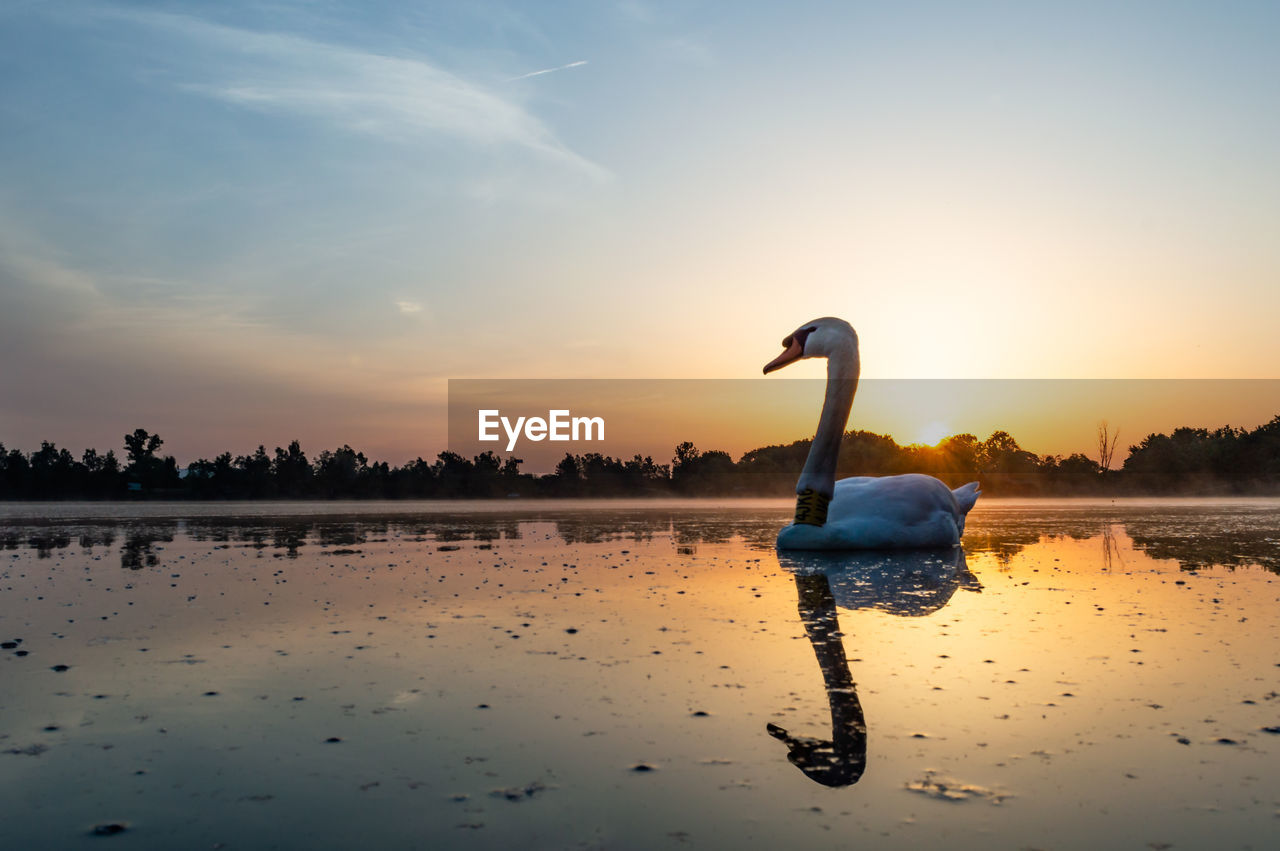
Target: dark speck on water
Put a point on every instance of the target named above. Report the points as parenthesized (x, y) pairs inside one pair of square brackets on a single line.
[(60, 668), (519, 793), (109, 829), (642, 767)]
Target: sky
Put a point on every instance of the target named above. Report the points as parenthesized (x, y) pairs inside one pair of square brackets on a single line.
[(235, 224)]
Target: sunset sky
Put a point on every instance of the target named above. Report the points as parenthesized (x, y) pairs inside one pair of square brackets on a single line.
[(235, 225)]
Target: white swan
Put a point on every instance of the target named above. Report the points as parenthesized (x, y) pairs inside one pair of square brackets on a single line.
[(861, 512)]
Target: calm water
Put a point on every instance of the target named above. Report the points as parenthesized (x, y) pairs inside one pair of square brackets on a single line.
[(635, 675)]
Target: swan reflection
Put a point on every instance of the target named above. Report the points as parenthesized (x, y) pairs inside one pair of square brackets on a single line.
[(907, 583)]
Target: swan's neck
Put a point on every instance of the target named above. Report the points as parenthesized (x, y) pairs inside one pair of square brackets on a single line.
[(818, 478)]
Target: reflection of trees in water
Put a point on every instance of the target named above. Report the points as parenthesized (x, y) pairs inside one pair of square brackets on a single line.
[(1249, 541), (1110, 548), (289, 538), (137, 550), (136, 553), (719, 529), (598, 529), (905, 583), (46, 539), (1194, 536), (347, 533), (44, 544), (687, 527), (289, 534), (97, 538), (456, 532), (1002, 545), (1008, 533)]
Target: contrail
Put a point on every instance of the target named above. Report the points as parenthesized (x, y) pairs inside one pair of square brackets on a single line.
[(547, 70)]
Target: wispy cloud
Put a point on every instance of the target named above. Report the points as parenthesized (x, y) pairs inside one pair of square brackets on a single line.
[(577, 64), (397, 98), (408, 307)]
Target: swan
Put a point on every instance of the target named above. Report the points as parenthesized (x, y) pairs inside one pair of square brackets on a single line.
[(860, 512)]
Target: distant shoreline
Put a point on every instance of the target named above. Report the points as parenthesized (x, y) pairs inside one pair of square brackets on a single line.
[(657, 501), (1190, 462)]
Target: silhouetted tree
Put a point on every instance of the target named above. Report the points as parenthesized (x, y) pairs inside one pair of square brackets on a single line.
[(256, 471), (642, 475), (1189, 459), (141, 447), (452, 472), (415, 480), (958, 459), (145, 468), (683, 466), (567, 479), (337, 471), (1106, 445), (292, 471)]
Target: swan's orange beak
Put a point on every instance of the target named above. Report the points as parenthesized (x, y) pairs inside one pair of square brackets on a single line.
[(795, 351)]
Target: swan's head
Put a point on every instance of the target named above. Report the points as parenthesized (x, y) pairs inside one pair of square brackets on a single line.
[(820, 338)]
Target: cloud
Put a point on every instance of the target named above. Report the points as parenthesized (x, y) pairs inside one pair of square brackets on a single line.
[(577, 64), (25, 259), (408, 307), (397, 98), (84, 360)]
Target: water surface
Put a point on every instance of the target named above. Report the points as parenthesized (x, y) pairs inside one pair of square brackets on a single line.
[(635, 675)]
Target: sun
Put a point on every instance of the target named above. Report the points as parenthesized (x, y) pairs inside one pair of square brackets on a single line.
[(932, 433)]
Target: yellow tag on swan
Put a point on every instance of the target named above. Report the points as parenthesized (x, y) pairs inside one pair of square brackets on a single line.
[(811, 507)]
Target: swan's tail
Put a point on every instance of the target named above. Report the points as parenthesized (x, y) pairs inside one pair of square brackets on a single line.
[(966, 496)]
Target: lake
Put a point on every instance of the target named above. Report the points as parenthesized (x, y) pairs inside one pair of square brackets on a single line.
[(1080, 674)]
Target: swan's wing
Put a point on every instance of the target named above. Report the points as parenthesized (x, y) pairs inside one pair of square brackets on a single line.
[(909, 498)]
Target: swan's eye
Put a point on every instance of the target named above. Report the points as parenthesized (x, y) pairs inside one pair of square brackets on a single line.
[(800, 337)]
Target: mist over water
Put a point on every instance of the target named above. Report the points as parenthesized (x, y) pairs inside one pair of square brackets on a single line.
[(635, 675)]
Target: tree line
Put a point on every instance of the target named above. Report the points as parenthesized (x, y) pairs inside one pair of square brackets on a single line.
[(1189, 460)]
